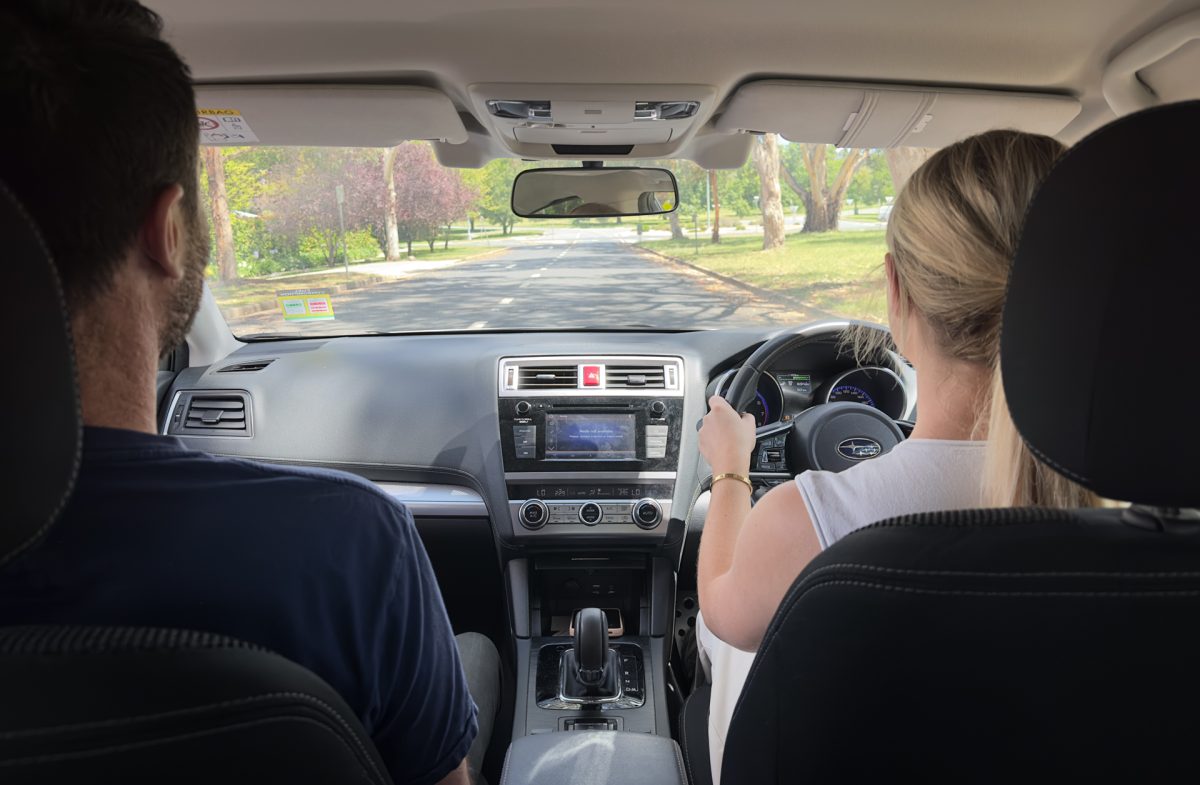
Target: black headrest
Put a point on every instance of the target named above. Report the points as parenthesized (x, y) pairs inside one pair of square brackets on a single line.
[(1099, 332), (42, 423)]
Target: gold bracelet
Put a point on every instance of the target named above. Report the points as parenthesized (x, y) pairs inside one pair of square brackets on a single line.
[(734, 476)]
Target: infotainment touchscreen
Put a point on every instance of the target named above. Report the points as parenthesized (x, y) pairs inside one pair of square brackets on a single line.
[(591, 437)]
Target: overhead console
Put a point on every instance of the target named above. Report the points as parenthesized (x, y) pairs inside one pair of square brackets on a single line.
[(880, 116), (597, 122), (590, 443)]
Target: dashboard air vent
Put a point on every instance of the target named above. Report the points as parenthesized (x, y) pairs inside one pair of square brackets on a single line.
[(642, 376), (550, 377), (211, 413), (246, 367)]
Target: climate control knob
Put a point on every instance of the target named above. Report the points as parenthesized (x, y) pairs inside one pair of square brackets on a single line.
[(591, 513), (657, 408), (647, 513), (523, 407), (534, 514)]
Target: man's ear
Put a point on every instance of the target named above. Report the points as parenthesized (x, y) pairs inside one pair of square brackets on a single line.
[(162, 236)]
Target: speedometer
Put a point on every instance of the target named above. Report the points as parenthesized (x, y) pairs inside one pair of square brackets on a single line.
[(848, 392), (760, 409)]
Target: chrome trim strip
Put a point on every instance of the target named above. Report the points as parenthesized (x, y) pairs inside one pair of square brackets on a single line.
[(593, 392), (436, 500), (589, 476)]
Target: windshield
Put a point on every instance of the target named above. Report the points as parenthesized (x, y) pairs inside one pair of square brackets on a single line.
[(345, 241)]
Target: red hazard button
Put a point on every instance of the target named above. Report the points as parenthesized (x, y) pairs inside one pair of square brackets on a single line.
[(590, 375)]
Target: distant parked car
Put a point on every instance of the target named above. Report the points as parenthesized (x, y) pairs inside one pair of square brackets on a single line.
[(885, 212)]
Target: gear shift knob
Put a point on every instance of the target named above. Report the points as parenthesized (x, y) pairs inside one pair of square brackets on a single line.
[(591, 645)]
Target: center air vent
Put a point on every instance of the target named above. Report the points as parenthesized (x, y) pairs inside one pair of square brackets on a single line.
[(210, 413), (638, 376), (592, 375), (550, 377)]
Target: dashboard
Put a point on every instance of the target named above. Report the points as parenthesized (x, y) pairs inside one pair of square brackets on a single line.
[(422, 417)]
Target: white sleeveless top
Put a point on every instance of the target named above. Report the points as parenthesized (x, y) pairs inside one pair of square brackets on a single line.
[(918, 475)]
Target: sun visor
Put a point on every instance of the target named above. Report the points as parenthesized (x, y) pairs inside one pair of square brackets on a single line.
[(880, 116), (325, 116)]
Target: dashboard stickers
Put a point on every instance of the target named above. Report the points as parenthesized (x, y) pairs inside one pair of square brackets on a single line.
[(305, 304)]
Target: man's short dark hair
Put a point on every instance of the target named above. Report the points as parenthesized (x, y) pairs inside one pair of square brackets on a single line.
[(100, 116)]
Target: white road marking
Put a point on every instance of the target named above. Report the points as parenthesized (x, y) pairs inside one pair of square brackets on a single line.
[(506, 301), (545, 268), (536, 275), (477, 326), (509, 267), (523, 285)]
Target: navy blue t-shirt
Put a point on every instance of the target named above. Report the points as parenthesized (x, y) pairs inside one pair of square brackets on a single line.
[(318, 566)]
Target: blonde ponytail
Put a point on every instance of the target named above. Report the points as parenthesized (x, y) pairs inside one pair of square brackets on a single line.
[(952, 234)]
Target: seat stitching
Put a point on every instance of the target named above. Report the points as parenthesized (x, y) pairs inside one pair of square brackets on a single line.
[(679, 764), (93, 752), (691, 777), (1000, 574), (77, 458), (117, 722)]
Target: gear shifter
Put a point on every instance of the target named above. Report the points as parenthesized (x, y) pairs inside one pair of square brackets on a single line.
[(589, 667), (591, 646)]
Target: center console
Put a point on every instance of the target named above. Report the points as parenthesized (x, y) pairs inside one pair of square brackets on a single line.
[(590, 444), (591, 450)]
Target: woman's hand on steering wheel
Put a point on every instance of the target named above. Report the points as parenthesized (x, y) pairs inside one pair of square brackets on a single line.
[(726, 438)]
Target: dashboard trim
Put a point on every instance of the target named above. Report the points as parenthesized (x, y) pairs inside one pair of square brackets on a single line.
[(675, 391), (448, 501), (535, 476)]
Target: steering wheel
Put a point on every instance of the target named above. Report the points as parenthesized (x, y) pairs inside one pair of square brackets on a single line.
[(828, 436)]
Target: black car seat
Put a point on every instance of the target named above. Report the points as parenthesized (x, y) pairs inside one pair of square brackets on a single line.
[(129, 705), (1019, 645)]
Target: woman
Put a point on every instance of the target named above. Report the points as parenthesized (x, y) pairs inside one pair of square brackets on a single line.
[(951, 236)]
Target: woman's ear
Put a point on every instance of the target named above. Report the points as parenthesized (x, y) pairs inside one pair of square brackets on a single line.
[(161, 238), (893, 285)]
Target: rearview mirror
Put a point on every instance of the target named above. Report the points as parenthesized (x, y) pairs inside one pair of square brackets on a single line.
[(594, 192)]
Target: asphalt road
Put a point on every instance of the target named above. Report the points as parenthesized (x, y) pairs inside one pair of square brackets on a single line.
[(567, 282)]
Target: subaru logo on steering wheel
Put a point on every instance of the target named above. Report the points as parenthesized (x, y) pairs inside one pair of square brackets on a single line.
[(860, 448)]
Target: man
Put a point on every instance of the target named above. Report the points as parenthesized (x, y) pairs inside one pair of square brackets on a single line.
[(100, 145)]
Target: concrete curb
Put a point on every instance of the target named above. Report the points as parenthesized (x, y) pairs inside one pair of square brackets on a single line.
[(766, 294)]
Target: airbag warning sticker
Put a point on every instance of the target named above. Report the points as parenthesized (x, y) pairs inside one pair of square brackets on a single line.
[(224, 126), (306, 304)]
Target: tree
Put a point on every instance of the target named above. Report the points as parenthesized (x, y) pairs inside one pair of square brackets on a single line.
[(676, 229), (214, 164), (903, 161), (493, 184), (766, 161), (391, 233), (822, 198), (872, 183), (716, 203), (302, 203)]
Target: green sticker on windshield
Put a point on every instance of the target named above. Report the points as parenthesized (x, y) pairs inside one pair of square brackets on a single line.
[(305, 304)]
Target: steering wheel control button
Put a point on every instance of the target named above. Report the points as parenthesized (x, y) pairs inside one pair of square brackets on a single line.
[(771, 455), (534, 514), (523, 407), (647, 513), (590, 513)]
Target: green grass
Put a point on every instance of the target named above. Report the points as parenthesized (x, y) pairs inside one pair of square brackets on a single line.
[(247, 291), (838, 272)]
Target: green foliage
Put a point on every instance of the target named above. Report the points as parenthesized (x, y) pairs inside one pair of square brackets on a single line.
[(872, 183), (493, 183), (360, 244)]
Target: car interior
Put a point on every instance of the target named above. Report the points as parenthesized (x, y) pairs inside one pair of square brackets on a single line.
[(554, 475)]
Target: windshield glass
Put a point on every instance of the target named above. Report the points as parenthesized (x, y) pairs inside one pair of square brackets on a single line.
[(344, 241)]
